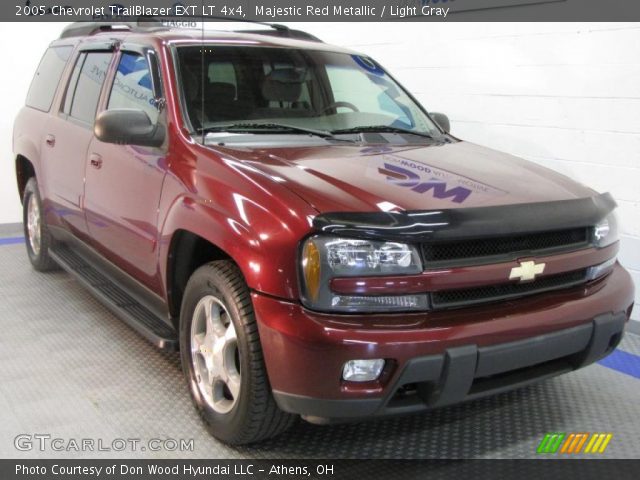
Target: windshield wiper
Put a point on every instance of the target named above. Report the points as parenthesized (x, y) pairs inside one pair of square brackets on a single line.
[(281, 127), (381, 129)]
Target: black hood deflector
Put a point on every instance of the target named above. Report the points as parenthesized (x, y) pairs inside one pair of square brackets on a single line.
[(465, 223)]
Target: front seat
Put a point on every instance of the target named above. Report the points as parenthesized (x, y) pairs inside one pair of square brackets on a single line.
[(220, 101), (281, 88)]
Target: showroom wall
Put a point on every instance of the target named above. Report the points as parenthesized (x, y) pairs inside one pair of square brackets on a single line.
[(565, 95), (21, 46)]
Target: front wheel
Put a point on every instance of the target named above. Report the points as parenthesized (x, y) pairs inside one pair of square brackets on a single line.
[(222, 357), (36, 234)]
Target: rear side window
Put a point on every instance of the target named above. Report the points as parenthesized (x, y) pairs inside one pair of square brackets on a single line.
[(83, 91), (73, 82), (45, 81)]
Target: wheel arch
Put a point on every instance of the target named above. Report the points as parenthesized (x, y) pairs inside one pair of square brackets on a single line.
[(196, 232), (188, 251), (26, 154), (25, 170)]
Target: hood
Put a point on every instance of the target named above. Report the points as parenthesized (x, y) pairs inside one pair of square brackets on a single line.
[(385, 178)]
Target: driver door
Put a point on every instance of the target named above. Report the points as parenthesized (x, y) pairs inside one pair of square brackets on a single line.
[(124, 182)]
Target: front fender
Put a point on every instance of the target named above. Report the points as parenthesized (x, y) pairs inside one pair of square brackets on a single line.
[(258, 228)]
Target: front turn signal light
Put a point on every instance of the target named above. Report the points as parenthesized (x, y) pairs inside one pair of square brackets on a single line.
[(311, 269)]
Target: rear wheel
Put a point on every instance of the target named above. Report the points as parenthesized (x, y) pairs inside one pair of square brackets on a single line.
[(36, 234), (222, 357)]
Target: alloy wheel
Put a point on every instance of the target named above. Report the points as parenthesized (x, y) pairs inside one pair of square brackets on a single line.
[(215, 355), (34, 224)]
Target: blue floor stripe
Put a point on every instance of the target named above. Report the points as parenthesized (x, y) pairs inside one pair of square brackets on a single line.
[(623, 362), (11, 241)]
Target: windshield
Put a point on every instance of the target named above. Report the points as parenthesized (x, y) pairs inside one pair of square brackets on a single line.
[(244, 87)]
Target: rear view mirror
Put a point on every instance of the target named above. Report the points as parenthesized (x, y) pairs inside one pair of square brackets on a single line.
[(128, 126), (442, 120)]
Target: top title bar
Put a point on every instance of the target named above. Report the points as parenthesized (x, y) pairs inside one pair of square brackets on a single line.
[(321, 10)]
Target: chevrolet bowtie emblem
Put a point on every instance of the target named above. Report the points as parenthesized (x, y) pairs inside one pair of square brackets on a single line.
[(527, 271)]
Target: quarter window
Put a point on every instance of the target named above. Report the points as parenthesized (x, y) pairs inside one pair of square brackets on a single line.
[(45, 81)]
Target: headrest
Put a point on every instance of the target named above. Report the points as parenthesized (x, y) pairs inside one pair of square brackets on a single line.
[(221, 90), (283, 84)]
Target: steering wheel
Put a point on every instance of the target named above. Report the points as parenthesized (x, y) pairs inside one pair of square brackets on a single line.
[(338, 105)]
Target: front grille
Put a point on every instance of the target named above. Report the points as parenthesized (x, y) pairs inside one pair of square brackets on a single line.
[(505, 248), (494, 293)]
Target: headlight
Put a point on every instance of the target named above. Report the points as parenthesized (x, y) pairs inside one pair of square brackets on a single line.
[(605, 232), (325, 258)]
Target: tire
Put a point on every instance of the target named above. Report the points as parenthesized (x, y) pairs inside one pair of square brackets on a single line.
[(222, 358), (37, 236)]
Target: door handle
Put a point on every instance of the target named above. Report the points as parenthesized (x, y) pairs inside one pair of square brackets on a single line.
[(95, 160), (50, 140)]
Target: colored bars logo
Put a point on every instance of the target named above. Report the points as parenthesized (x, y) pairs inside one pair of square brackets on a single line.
[(574, 443)]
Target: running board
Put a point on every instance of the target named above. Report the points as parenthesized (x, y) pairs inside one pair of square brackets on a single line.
[(122, 304)]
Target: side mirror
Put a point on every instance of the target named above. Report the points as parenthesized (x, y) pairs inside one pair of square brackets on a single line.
[(128, 126), (442, 120)]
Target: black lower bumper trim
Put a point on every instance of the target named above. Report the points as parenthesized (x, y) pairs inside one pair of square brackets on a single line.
[(469, 372)]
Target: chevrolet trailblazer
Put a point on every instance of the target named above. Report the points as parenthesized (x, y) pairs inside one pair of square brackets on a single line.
[(312, 240)]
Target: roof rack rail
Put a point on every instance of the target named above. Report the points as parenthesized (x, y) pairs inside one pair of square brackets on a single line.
[(279, 30), (152, 24), (284, 32), (80, 29)]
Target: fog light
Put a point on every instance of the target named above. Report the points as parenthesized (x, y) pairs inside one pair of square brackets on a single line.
[(362, 370), (380, 303)]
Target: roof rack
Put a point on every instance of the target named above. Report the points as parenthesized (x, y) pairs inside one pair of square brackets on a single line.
[(285, 32), (278, 30), (152, 24)]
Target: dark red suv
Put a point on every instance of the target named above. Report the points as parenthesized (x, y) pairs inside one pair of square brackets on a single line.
[(312, 240)]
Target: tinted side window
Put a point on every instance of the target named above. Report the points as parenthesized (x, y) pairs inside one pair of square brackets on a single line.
[(132, 86), (73, 82), (86, 91), (45, 81)]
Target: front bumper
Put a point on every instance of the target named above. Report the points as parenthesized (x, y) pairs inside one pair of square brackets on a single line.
[(439, 358)]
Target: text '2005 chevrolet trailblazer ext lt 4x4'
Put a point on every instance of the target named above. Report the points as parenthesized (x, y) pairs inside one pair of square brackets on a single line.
[(292, 220)]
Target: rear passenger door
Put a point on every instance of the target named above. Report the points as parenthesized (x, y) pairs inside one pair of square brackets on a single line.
[(124, 182), (68, 135)]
